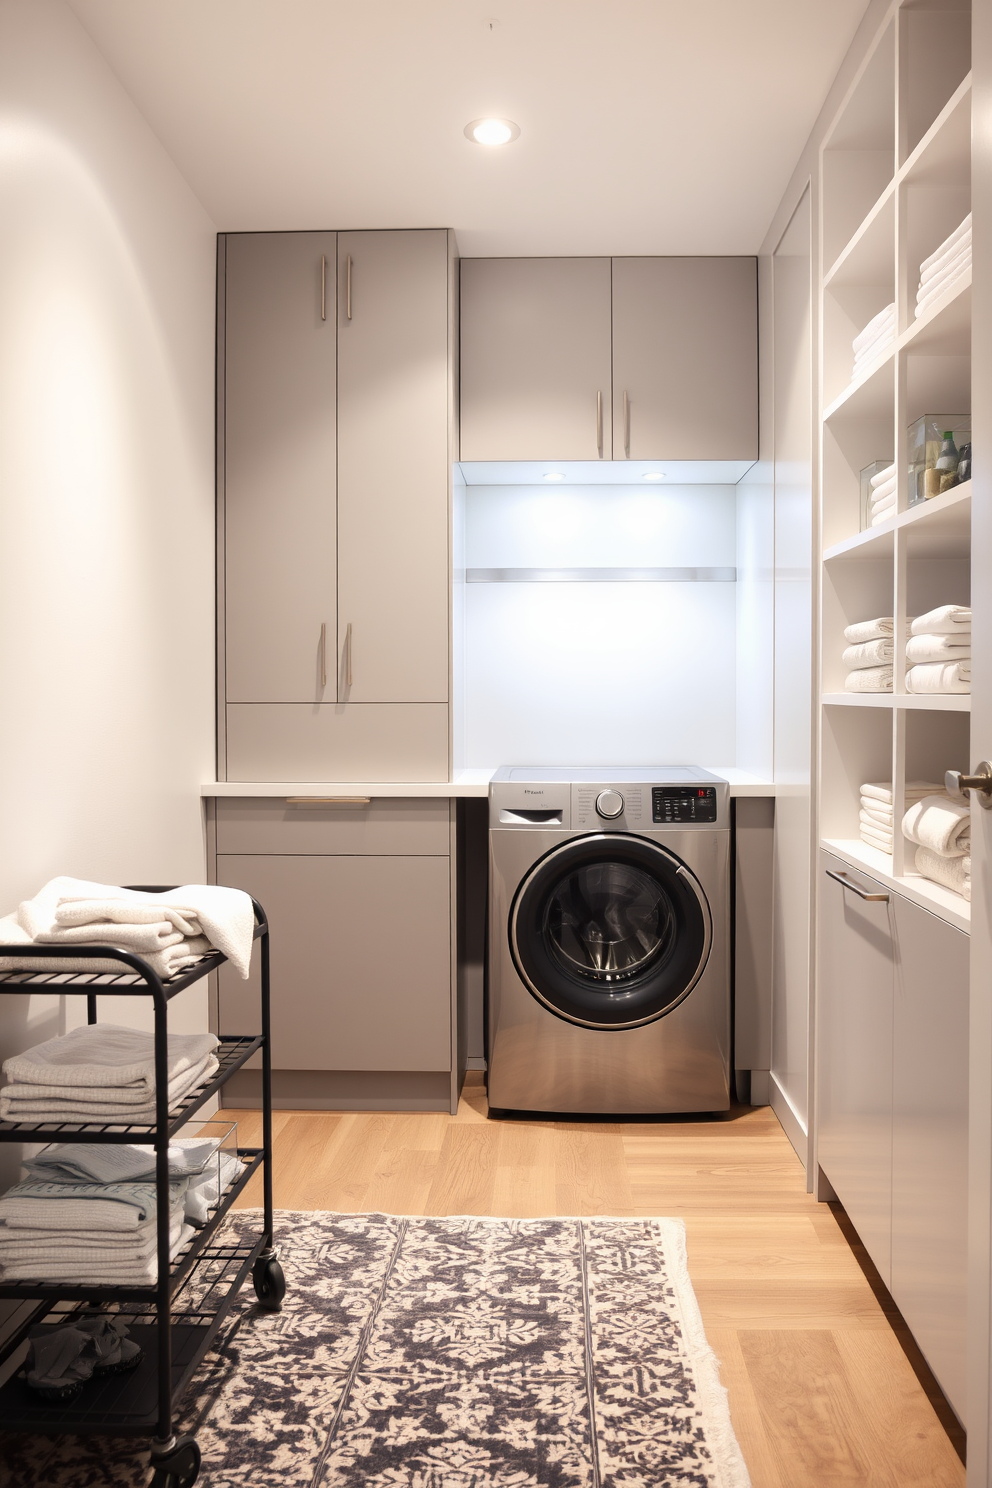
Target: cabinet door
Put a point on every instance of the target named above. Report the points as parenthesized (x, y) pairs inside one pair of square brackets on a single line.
[(854, 1055), (685, 354), (279, 466), (394, 467), (360, 961), (535, 359), (930, 1140)]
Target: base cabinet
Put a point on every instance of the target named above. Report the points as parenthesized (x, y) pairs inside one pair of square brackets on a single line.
[(892, 1080), (358, 901)]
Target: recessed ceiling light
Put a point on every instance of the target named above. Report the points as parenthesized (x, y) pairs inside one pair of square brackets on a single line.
[(491, 131), (555, 475), (653, 475)]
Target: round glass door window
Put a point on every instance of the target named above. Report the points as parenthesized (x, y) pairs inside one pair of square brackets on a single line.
[(610, 931)]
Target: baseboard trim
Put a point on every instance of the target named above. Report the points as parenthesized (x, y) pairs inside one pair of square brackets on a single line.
[(343, 1090), (789, 1119)]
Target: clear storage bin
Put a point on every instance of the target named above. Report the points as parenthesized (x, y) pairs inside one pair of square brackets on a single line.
[(939, 454)]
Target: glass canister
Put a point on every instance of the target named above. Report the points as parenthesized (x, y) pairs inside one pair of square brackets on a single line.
[(939, 454), (875, 468)]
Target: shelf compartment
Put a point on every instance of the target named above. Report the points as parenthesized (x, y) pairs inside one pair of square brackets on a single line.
[(940, 528), (859, 155), (922, 891), (234, 1051), (945, 330), (126, 1404), (868, 396), (935, 63), (869, 256), (182, 1265)]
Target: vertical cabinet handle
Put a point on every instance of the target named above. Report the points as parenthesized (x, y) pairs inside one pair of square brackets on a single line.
[(323, 286), (347, 652), (626, 424), (347, 287), (323, 654), (599, 424)]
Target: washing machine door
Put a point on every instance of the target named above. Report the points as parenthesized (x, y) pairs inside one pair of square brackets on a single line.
[(610, 931)]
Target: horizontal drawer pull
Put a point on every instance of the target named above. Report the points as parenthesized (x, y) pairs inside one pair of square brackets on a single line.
[(849, 883), (328, 800)]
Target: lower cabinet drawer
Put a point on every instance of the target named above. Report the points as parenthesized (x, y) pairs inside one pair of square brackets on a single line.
[(331, 741), (360, 961), (383, 826)]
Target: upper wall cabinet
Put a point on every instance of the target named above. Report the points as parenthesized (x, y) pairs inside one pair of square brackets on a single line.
[(685, 359), (336, 440), (629, 358), (535, 359)]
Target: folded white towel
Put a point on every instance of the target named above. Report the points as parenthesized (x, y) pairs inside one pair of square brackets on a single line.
[(945, 620), (868, 654), (223, 915), (884, 476), (45, 1106), (205, 1190), (963, 228), (951, 872), (878, 323), (941, 282), (885, 514), (876, 814), (914, 790), (945, 284), (935, 265), (120, 1207), (883, 494), (939, 647), (880, 828), (166, 964), (880, 841), (869, 679), (873, 349), (105, 1056), (869, 630), (92, 1162), (940, 676), (84, 1267), (941, 824)]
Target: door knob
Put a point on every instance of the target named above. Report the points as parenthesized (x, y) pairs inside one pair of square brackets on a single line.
[(981, 783)]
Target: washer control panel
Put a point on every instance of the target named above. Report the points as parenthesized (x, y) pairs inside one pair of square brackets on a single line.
[(683, 803), (603, 805), (609, 804)]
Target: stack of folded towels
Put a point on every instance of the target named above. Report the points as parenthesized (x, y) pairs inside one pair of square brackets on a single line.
[(941, 829), (86, 1213), (868, 656), (171, 930), (939, 651), (883, 496), (878, 810), (103, 1074), (877, 335), (941, 271)]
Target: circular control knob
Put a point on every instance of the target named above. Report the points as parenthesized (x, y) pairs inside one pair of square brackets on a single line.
[(609, 804)]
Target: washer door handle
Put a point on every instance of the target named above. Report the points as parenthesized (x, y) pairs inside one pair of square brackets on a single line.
[(704, 906)]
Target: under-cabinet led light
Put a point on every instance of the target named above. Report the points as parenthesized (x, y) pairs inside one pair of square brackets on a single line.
[(491, 131), (653, 475)]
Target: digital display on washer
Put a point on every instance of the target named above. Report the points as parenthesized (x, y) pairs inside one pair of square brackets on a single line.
[(683, 803)]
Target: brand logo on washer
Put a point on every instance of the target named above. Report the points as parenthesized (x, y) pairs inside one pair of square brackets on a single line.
[(532, 792)]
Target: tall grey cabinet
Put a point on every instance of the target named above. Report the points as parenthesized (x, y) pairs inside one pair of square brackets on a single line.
[(336, 430)]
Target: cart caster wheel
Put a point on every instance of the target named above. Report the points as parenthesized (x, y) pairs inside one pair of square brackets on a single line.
[(180, 1468), (269, 1283)]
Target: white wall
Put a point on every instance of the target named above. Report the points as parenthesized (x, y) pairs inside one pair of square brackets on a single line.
[(599, 673), (106, 487)]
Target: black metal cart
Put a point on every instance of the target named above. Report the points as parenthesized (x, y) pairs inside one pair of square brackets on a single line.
[(176, 1320)]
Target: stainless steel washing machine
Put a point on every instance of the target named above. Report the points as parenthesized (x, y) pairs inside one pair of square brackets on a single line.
[(609, 941)]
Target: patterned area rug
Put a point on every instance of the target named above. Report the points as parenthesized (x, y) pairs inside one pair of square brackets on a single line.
[(447, 1353)]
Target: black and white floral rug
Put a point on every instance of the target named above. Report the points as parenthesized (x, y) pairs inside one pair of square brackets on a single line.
[(447, 1353)]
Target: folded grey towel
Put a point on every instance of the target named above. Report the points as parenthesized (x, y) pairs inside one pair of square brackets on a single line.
[(91, 1162)]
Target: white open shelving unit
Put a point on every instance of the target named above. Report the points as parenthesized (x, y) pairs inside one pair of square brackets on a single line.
[(895, 182)]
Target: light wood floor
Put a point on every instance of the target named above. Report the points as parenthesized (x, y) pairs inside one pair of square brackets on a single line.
[(821, 1393)]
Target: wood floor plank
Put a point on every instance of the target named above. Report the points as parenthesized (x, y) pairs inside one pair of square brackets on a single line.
[(466, 1175), (525, 1184), (591, 1175), (745, 1413)]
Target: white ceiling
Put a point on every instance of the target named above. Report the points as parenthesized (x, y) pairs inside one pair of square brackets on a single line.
[(647, 126)]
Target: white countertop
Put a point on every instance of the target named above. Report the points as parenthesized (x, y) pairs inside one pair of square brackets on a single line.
[(465, 783)]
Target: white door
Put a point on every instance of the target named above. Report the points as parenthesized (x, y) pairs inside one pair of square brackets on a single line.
[(394, 467), (535, 373)]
